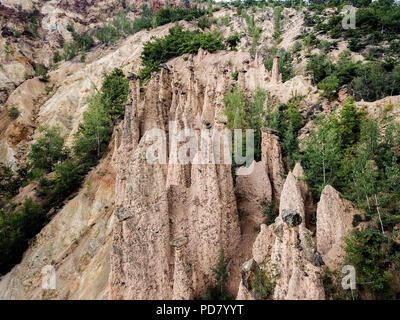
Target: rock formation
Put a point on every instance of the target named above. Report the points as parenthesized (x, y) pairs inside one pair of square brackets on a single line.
[(287, 249), (334, 221), (155, 230)]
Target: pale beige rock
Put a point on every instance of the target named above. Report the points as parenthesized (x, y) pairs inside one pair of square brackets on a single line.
[(334, 221), (272, 158), (284, 249)]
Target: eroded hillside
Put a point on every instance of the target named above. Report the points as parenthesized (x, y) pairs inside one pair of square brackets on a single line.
[(135, 230)]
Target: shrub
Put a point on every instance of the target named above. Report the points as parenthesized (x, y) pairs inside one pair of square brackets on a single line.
[(93, 135), (233, 40), (329, 86), (67, 179), (56, 57), (219, 292), (16, 229), (319, 66), (356, 220), (254, 32), (204, 22), (10, 182), (176, 43), (374, 256), (235, 109), (270, 211), (13, 113), (70, 50), (246, 114), (115, 92), (373, 82), (263, 284), (235, 75), (277, 23), (41, 72), (47, 150), (122, 26), (284, 64)]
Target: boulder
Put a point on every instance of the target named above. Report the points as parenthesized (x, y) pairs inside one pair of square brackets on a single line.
[(291, 217)]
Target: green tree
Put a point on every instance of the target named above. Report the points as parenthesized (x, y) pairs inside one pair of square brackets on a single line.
[(16, 229), (115, 92), (234, 109), (322, 157), (255, 118), (93, 135), (67, 179), (47, 150), (219, 292), (329, 85), (319, 66)]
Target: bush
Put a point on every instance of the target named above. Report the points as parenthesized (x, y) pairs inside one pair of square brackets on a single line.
[(70, 50), (94, 134), (373, 82), (41, 72), (67, 179), (277, 23), (287, 121), (284, 64), (47, 150), (235, 75), (329, 86), (320, 67), (235, 109), (219, 292), (271, 212), (374, 257), (204, 22), (121, 26), (263, 284), (13, 113), (10, 182), (16, 229), (233, 40), (175, 44), (56, 57), (254, 32), (115, 92)]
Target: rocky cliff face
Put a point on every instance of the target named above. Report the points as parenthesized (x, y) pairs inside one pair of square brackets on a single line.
[(287, 251), (155, 231), (76, 243), (183, 213)]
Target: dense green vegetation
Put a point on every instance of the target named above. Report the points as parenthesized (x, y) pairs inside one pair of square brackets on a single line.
[(286, 120), (349, 152), (369, 81), (175, 44), (48, 150), (376, 257), (284, 64), (376, 22), (81, 43), (121, 26), (16, 229), (254, 32), (243, 113), (263, 283), (18, 225)]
